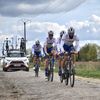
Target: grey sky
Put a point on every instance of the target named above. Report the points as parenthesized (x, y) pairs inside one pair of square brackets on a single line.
[(14, 8)]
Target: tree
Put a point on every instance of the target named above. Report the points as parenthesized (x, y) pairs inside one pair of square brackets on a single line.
[(88, 52)]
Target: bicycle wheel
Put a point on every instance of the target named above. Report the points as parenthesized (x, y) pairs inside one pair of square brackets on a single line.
[(72, 77), (66, 73), (51, 74), (36, 71), (67, 77), (61, 78), (48, 74)]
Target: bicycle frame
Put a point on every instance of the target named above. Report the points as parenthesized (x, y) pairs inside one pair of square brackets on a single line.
[(69, 70), (37, 64)]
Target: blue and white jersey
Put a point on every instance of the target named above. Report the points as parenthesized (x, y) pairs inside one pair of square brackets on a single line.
[(69, 42), (50, 42), (59, 45), (36, 48)]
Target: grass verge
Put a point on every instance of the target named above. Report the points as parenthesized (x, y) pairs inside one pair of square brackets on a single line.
[(84, 69)]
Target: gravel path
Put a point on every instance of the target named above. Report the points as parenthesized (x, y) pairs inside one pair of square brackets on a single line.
[(22, 85)]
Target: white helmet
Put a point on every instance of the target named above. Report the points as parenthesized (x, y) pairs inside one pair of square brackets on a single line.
[(71, 31), (62, 32)]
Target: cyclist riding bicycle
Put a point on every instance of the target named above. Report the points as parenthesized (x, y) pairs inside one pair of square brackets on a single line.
[(49, 49), (36, 51), (71, 43), (60, 50)]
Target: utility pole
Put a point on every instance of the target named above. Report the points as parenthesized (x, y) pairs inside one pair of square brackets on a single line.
[(12, 45), (25, 35)]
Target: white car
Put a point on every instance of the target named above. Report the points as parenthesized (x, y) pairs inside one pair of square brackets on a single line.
[(15, 60)]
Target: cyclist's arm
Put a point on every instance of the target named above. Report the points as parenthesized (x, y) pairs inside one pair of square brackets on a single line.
[(55, 44), (41, 50), (45, 48), (76, 43), (33, 49)]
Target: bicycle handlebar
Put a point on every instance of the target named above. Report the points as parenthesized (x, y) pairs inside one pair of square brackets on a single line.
[(73, 52)]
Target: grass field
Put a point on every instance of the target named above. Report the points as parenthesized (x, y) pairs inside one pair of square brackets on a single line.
[(84, 69), (88, 69)]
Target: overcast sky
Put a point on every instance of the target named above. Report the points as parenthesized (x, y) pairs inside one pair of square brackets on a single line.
[(45, 15)]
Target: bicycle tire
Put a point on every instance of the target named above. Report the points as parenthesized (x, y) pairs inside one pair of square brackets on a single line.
[(72, 76), (36, 71), (66, 73), (61, 78), (51, 71), (51, 75), (48, 74), (67, 79)]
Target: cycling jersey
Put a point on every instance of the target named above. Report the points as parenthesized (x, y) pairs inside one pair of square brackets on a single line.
[(70, 42), (59, 45), (36, 50), (50, 44)]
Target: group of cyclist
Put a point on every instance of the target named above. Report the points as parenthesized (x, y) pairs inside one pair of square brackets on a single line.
[(67, 42)]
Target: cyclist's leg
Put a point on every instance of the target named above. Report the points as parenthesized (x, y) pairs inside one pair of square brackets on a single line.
[(35, 58), (49, 51), (46, 66), (39, 58), (59, 64), (66, 49), (53, 52), (46, 62), (73, 55)]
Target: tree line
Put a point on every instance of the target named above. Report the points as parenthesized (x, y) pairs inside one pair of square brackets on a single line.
[(89, 52)]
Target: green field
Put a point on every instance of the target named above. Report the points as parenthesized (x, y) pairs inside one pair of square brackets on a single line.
[(88, 69), (84, 69)]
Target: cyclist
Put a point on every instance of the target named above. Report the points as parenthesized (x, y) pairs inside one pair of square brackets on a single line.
[(49, 48), (36, 51), (60, 51), (69, 46)]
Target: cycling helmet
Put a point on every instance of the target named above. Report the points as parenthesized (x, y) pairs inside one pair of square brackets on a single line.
[(62, 33), (37, 42), (50, 34), (22, 38), (71, 32)]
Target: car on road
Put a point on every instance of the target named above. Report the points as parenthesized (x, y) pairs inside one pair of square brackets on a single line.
[(15, 60)]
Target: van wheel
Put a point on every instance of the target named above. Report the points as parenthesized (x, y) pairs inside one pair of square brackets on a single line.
[(4, 69), (27, 69)]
